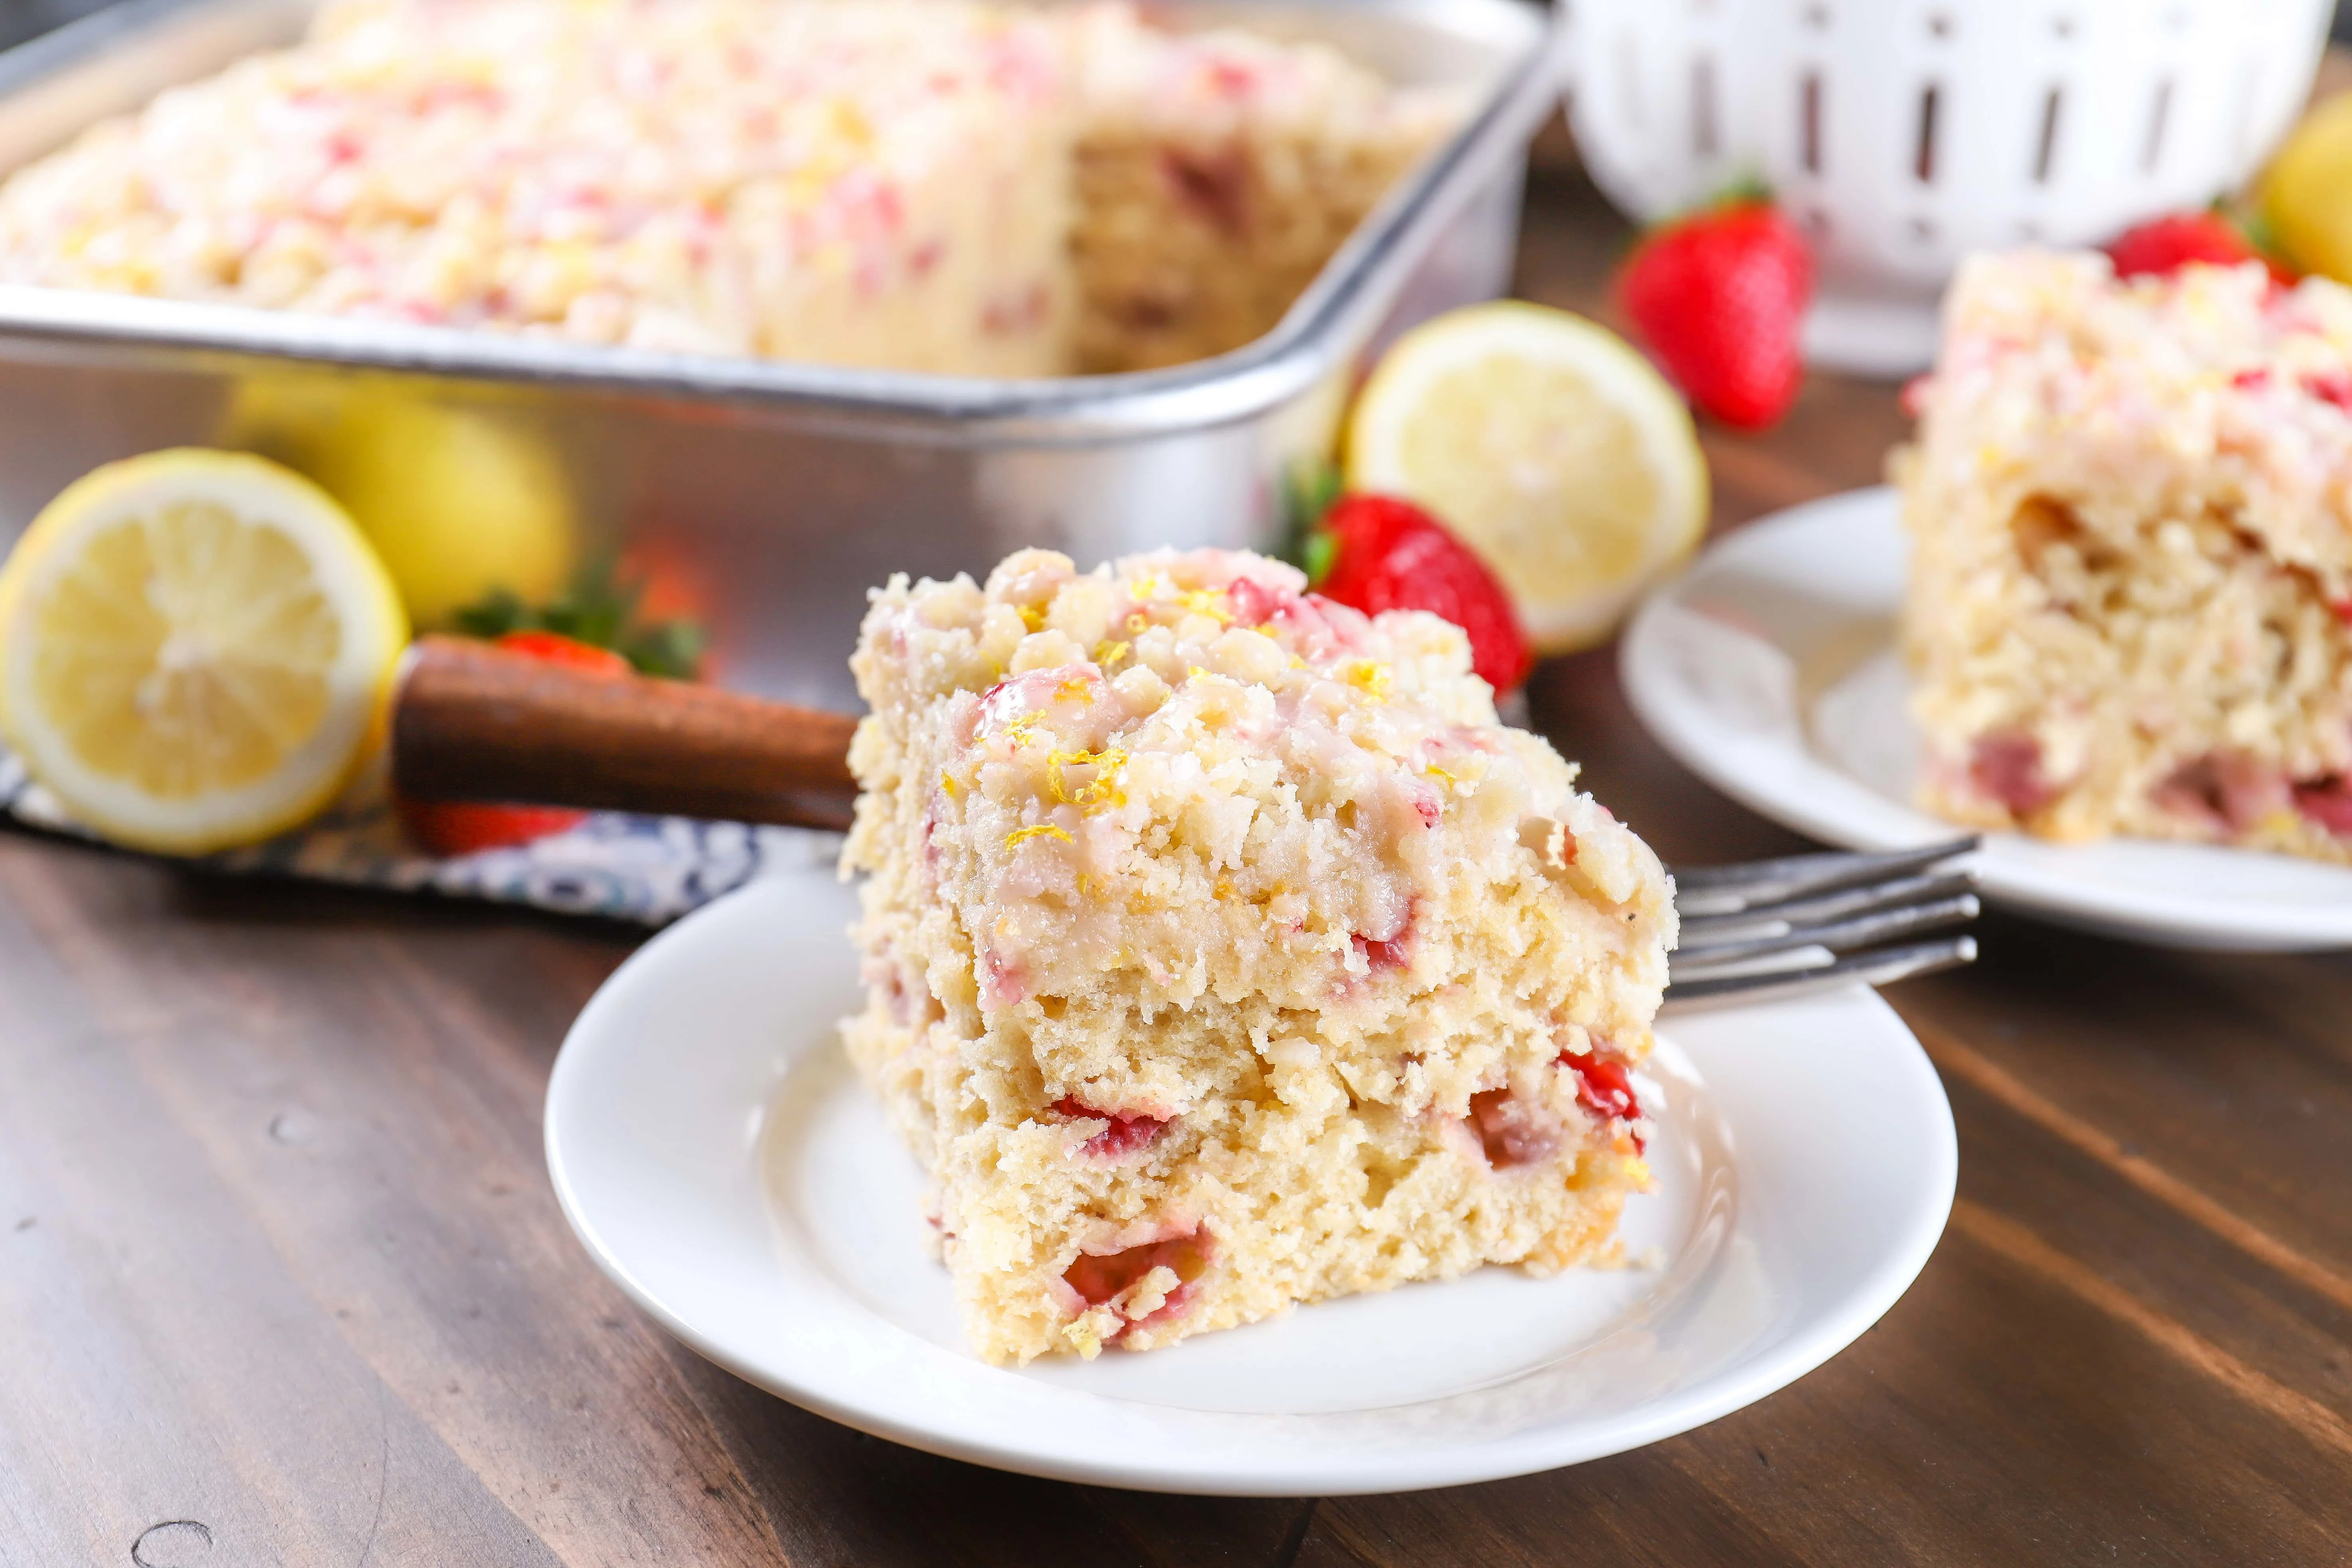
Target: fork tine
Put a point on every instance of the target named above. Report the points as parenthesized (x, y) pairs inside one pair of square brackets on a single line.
[(1731, 889), (1837, 936), (1701, 932), (1881, 967)]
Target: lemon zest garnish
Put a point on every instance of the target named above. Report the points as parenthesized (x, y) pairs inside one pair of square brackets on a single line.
[(1367, 676), (1075, 687), (1033, 617), (1102, 788), (1108, 653), (1016, 734), (1194, 672), (1209, 601), (1021, 836), (1085, 884), (948, 783), (1137, 624)]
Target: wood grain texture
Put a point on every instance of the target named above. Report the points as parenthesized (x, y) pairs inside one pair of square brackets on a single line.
[(282, 1280), (471, 721)]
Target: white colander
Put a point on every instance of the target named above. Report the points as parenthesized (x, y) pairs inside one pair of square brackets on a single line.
[(1904, 133)]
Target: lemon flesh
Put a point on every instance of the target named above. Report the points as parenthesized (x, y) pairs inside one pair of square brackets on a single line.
[(1551, 446), (195, 649), (2306, 193)]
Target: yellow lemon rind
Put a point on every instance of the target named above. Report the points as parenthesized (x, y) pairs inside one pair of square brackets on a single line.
[(1625, 382), (372, 629)]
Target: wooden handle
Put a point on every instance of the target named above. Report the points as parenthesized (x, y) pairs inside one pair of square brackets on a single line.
[(471, 721)]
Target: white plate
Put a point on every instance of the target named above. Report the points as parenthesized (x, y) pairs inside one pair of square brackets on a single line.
[(714, 1152), (1769, 669)]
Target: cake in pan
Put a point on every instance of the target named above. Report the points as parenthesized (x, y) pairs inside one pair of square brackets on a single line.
[(2130, 509), (1222, 952), (920, 185)]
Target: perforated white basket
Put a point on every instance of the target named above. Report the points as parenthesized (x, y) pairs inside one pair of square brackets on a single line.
[(1904, 133)]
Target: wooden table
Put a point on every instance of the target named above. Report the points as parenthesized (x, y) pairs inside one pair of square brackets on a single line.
[(281, 1279)]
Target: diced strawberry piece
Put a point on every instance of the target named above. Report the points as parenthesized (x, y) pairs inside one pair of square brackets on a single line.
[(2327, 801), (1252, 602), (2332, 387), (1097, 1279), (1510, 1131), (1390, 952), (1002, 984), (1719, 297), (1390, 554), (2234, 791), (1602, 1084), (1129, 1130), (2253, 380), (1100, 1278), (1214, 188), (2006, 767)]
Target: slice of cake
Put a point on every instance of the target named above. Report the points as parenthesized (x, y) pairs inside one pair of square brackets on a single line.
[(1222, 952), (2131, 508)]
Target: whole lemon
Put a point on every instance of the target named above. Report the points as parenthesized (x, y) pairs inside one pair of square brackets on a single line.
[(459, 501), (2306, 193)]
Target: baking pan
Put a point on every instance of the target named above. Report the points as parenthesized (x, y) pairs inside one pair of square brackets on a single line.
[(774, 494)]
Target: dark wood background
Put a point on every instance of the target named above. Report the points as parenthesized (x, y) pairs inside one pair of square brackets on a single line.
[(283, 1281)]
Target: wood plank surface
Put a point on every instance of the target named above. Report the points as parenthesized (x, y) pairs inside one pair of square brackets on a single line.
[(283, 1281)]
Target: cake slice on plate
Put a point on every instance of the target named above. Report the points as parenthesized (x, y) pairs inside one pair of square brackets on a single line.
[(2131, 508), (1222, 952)]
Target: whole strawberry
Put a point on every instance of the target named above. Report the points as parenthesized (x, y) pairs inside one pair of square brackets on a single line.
[(1720, 296), (1376, 553), (2165, 245)]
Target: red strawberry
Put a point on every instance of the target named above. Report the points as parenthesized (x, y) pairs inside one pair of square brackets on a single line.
[(1388, 554), (451, 827), (554, 648), (2165, 245), (1719, 297)]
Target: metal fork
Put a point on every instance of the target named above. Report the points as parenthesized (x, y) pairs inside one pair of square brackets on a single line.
[(1764, 929)]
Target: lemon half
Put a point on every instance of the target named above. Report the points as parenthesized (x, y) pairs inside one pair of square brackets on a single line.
[(195, 649), (2306, 192), (457, 500), (1551, 446)]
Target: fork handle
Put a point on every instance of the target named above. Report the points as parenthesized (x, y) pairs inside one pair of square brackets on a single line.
[(470, 721)]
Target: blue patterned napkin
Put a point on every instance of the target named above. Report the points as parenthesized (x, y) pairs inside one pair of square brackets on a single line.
[(647, 868)]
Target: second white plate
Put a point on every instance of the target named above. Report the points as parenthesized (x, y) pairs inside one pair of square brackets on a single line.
[(1769, 670), (720, 1160)]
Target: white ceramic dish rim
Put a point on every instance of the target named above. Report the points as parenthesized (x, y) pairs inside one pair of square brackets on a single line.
[(1786, 780), (999, 1438)]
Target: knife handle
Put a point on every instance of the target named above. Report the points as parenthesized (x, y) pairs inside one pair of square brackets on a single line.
[(471, 721)]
